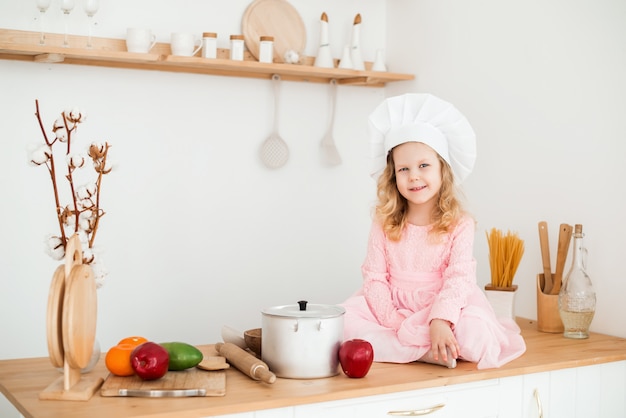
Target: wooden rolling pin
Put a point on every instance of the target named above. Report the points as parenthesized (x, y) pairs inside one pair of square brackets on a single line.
[(246, 362)]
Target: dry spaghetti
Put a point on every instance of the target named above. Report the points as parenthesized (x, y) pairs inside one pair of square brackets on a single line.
[(505, 254)]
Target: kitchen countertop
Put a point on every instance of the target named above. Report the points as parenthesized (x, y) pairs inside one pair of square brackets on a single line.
[(22, 380)]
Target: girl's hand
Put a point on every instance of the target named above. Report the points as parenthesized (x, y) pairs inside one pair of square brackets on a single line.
[(441, 337)]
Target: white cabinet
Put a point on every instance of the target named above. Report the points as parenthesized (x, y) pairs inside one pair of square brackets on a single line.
[(597, 391), (469, 400)]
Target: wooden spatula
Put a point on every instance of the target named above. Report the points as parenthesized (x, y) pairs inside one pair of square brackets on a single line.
[(545, 256), (565, 236)]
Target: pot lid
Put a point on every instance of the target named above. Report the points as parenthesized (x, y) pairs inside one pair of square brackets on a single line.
[(303, 309)]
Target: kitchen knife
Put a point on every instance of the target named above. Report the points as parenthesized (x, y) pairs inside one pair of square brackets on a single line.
[(161, 393), (565, 236), (545, 256)]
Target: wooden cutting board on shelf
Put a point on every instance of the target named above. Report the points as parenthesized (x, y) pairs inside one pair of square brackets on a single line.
[(183, 383), (277, 18)]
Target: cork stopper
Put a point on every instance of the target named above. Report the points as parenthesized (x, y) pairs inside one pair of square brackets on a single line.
[(357, 19), (324, 17), (267, 38), (578, 229), (209, 35), (236, 37)]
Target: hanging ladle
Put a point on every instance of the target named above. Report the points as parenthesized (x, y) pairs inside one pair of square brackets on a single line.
[(330, 154), (274, 151)]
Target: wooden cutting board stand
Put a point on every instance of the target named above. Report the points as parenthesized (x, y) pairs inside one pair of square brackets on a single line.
[(71, 327)]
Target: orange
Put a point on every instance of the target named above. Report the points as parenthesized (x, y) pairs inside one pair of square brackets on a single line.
[(117, 360), (134, 340)]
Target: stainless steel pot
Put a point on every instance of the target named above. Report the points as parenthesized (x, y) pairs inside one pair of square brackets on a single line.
[(302, 341)]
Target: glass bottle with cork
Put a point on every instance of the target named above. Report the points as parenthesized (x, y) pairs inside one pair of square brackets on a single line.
[(577, 298)]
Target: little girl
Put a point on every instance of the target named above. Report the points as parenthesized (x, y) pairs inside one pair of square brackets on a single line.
[(420, 300)]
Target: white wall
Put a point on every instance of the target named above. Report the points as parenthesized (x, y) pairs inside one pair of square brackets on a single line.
[(199, 234), (543, 85)]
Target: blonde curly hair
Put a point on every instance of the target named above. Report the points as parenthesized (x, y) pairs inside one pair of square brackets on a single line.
[(391, 210)]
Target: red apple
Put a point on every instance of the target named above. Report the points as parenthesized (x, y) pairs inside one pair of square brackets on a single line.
[(150, 361), (356, 357)]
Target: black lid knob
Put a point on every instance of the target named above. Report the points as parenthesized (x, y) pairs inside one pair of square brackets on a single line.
[(302, 304)]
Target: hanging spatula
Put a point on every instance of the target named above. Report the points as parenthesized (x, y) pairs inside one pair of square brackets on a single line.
[(330, 154)]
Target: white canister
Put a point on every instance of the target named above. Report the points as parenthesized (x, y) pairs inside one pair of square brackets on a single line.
[(209, 45), (266, 49), (302, 341), (236, 47)]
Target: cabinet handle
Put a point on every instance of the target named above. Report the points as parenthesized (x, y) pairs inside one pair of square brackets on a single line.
[(538, 402), (417, 412)]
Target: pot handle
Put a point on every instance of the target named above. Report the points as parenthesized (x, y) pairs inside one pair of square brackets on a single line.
[(302, 304)]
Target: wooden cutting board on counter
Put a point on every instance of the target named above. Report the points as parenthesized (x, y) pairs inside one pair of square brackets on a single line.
[(190, 382)]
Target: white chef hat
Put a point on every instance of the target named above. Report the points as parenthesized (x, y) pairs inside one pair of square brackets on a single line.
[(422, 118)]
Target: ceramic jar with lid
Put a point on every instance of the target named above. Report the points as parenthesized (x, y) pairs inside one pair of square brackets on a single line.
[(266, 49), (236, 47), (209, 45)]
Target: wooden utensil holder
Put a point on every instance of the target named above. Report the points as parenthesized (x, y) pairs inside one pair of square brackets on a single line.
[(548, 316)]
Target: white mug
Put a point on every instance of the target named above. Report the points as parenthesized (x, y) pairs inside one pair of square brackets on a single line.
[(139, 40), (183, 43)]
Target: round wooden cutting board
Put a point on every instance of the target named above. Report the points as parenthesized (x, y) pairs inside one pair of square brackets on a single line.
[(277, 18), (54, 317), (79, 316)]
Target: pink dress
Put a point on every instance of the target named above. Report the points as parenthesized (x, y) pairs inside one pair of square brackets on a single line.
[(408, 283)]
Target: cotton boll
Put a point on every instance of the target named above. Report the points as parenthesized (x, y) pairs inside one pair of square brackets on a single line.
[(108, 166), (88, 256), (75, 160), (58, 124), (86, 191), (40, 155), (84, 238), (70, 220), (102, 168), (84, 219), (96, 150), (61, 135), (53, 246)]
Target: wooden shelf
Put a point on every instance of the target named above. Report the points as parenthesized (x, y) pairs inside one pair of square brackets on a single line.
[(106, 52)]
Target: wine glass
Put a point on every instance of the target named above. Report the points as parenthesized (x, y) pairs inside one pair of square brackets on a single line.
[(67, 6), (42, 5), (91, 8)]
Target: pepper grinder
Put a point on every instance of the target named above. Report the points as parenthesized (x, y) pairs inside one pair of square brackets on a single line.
[(324, 57), (355, 48)]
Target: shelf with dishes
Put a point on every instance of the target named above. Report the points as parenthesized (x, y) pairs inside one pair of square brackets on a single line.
[(108, 52)]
